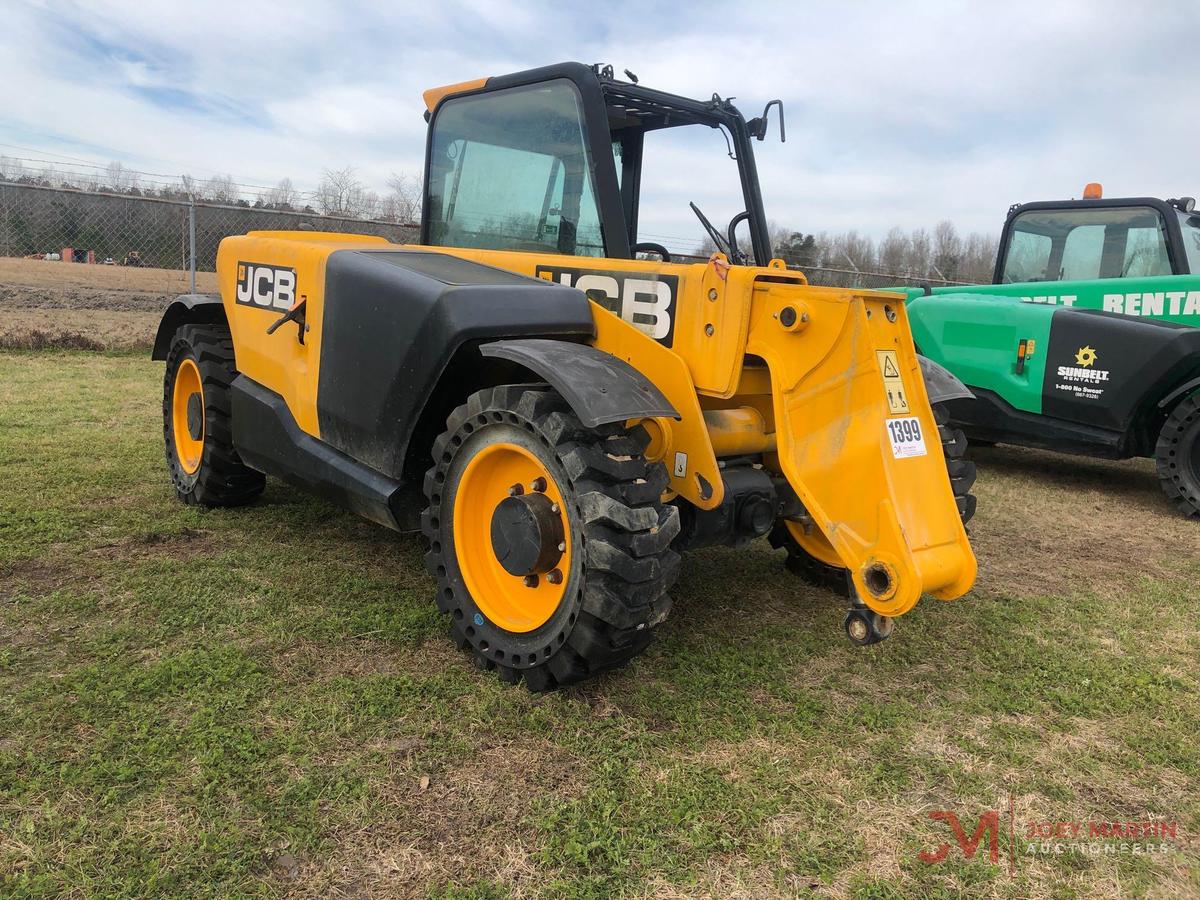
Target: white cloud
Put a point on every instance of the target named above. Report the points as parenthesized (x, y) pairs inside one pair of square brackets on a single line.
[(898, 114)]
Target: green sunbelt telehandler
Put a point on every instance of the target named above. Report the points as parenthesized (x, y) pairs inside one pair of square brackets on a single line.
[(1086, 342)]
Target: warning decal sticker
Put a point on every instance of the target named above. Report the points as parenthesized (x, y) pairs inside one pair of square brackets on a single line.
[(893, 383)]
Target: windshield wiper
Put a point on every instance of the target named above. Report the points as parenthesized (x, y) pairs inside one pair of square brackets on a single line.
[(717, 238)]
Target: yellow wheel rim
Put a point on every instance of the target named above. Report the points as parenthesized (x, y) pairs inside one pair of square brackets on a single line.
[(188, 433), (512, 602), (815, 543)]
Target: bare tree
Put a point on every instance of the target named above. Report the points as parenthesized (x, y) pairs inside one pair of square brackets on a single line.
[(120, 180), (920, 250), (895, 252), (89, 181), (979, 257), (221, 189), (340, 193), (947, 249), (856, 249), (403, 200), (283, 196)]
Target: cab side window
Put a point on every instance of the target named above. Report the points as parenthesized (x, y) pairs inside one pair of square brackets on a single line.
[(509, 171), (1145, 253), (1028, 257)]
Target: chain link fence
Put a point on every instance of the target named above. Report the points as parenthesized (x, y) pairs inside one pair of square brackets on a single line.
[(182, 234)]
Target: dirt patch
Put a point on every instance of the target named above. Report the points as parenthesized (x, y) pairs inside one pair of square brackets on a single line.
[(1095, 522), (54, 296), (463, 823), (54, 305), (44, 576), (34, 576), (40, 282), (734, 878), (307, 661), (187, 543)]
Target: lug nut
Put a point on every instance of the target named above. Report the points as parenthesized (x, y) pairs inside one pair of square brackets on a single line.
[(531, 581), (539, 485), (554, 576), (516, 490), (554, 507), (857, 629), (562, 546)]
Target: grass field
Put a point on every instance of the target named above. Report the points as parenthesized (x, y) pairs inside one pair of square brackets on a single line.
[(263, 701)]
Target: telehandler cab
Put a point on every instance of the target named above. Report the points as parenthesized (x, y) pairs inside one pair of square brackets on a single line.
[(1087, 342), (559, 416)]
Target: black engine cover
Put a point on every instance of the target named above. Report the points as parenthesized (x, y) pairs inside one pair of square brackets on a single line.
[(393, 319)]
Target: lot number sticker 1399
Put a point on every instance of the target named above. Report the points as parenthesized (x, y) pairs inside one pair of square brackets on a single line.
[(906, 437)]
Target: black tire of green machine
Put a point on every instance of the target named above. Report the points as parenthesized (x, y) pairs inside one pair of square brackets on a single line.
[(1177, 456), (621, 532)]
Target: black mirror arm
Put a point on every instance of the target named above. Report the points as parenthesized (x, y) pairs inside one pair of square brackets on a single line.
[(758, 127)]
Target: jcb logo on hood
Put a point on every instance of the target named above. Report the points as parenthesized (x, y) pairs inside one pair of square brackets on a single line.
[(268, 287), (645, 300)]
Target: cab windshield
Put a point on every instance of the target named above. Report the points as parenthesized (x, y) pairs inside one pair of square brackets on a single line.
[(509, 171), (1086, 244)]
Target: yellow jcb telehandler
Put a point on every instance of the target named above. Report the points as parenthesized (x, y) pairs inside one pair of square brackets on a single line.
[(560, 415)]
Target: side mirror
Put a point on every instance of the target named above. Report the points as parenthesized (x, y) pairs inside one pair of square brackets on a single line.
[(758, 126)]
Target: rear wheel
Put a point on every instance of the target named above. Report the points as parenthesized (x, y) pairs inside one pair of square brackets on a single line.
[(198, 437), (824, 572), (549, 540), (1177, 456)]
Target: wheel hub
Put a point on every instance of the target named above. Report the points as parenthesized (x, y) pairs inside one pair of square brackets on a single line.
[(512, 536), (195, 416), (527, 534), (187, 416)]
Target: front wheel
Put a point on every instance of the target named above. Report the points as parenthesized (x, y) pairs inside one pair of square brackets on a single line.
[(1177, 456), (549, 540)]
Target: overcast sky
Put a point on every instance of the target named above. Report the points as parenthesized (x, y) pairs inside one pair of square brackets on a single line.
[(898, 114)]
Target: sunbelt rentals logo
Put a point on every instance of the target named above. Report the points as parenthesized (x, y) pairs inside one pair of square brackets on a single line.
[(1084, 369), (1083, 381)]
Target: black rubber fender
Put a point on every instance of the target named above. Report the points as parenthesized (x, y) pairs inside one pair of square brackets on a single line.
[(184, 310), (941, 384), (599, 387)]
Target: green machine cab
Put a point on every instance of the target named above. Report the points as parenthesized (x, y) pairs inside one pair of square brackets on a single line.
[(1086, 342)]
